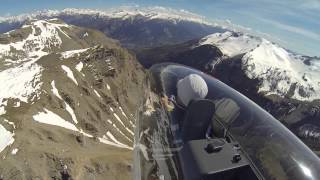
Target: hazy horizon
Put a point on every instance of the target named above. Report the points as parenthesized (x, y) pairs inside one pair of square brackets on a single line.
[(291, 23)]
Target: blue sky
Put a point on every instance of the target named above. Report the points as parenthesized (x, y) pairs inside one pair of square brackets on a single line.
[(295, 24)]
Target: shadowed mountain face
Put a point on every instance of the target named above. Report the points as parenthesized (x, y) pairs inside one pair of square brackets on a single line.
[(67, 102), (140, 32), (185, 53)]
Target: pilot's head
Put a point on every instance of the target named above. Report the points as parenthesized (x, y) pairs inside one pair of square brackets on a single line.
[(191, 87)]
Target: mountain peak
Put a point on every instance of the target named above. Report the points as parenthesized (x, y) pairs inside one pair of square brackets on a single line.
[(280, 71)]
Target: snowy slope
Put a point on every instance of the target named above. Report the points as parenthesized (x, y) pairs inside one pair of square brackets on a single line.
[(6, 138), (279, 71), (35, 45), (231, 43), (20, 76), (40, 64)]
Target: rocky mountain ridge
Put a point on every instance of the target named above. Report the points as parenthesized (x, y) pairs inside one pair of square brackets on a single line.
[(68, 97)]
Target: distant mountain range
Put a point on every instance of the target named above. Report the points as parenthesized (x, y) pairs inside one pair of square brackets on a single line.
[(133, 27)]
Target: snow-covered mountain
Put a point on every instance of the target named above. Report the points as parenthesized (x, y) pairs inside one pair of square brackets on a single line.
[(67, 99), (134, 27), (279, 71)]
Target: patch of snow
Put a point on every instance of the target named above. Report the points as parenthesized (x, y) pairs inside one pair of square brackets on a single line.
[(111, 109), (22, 82), (114, 139), (55, 90), (230, 44), (122, 112), (48, 29), (129, 131), (48, 117), (73, 53), (79, 66), (110, 68), (68, 108), (85, 35), (119, 120), (2, 110), (14, 151), (97, 93), (6, 138), (108, 87), (39, 42), (69, 73), (106, 141), (71, 112), (17, 104), (132, 124), (109, 121), (85, 134)]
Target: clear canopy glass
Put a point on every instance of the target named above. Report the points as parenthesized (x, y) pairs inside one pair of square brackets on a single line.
[(273, 151)]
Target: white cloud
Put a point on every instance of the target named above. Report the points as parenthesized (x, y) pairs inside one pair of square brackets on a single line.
[(311, 4), (293, 29)]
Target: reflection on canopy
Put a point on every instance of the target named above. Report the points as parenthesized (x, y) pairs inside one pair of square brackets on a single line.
[(272, 150)]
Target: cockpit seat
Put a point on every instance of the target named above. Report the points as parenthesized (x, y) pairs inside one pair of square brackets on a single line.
[(197, 119)]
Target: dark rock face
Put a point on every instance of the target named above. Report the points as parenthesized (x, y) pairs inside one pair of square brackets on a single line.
[(185, 53), (139, 32), (8, 26)]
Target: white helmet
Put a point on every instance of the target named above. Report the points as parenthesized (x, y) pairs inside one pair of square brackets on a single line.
[(191, 87)]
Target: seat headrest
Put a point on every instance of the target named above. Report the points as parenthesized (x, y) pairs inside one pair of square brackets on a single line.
[(227, 110)]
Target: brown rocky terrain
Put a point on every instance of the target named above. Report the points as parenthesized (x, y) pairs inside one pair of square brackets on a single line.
[(77, 119)]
